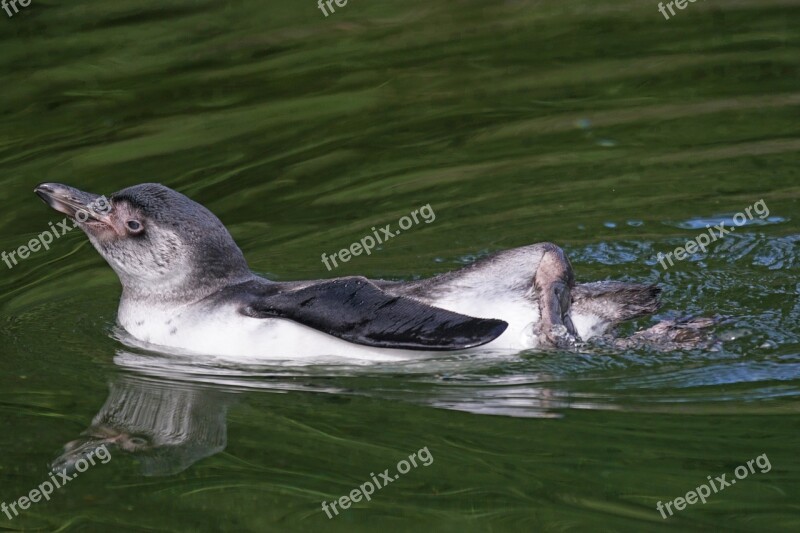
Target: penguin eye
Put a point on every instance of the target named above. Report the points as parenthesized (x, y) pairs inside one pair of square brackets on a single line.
[(134, 226)]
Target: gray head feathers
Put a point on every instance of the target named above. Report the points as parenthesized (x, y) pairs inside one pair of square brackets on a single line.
[(214, 256)]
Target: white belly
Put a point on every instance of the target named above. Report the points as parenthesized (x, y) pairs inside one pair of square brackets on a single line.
[(229, 335), (520, 314), (225, 333)]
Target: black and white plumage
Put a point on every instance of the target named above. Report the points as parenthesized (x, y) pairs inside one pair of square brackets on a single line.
[(187, 286)]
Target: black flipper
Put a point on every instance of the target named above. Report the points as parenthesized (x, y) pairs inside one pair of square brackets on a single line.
[(356, 310)]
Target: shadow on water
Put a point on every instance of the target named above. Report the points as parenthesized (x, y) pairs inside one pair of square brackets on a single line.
[(166, 425)]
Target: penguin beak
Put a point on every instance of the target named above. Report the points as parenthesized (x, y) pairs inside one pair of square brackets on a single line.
[(76, 204)]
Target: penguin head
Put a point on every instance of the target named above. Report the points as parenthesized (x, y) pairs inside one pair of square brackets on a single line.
[(158, 241)]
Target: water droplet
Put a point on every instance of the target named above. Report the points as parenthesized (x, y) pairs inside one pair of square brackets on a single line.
[(734, 334)]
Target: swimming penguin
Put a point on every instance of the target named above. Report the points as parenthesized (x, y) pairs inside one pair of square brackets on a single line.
[(186, 286)]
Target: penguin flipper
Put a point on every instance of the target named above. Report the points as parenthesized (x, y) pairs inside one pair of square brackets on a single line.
[(358, 311)]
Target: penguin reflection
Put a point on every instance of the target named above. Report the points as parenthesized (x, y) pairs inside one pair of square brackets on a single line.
[(166, 425)]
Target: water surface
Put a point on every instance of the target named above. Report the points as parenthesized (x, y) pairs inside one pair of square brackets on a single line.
[(595, 125)]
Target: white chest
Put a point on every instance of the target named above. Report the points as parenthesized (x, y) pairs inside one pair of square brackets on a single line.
[(227, 334)]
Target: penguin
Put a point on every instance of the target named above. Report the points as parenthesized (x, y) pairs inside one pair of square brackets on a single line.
[(186, 286)]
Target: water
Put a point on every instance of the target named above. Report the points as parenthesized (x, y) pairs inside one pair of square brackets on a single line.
[(596, 125)]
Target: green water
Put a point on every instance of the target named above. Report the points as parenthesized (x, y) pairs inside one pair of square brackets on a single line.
[(597, 125)]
